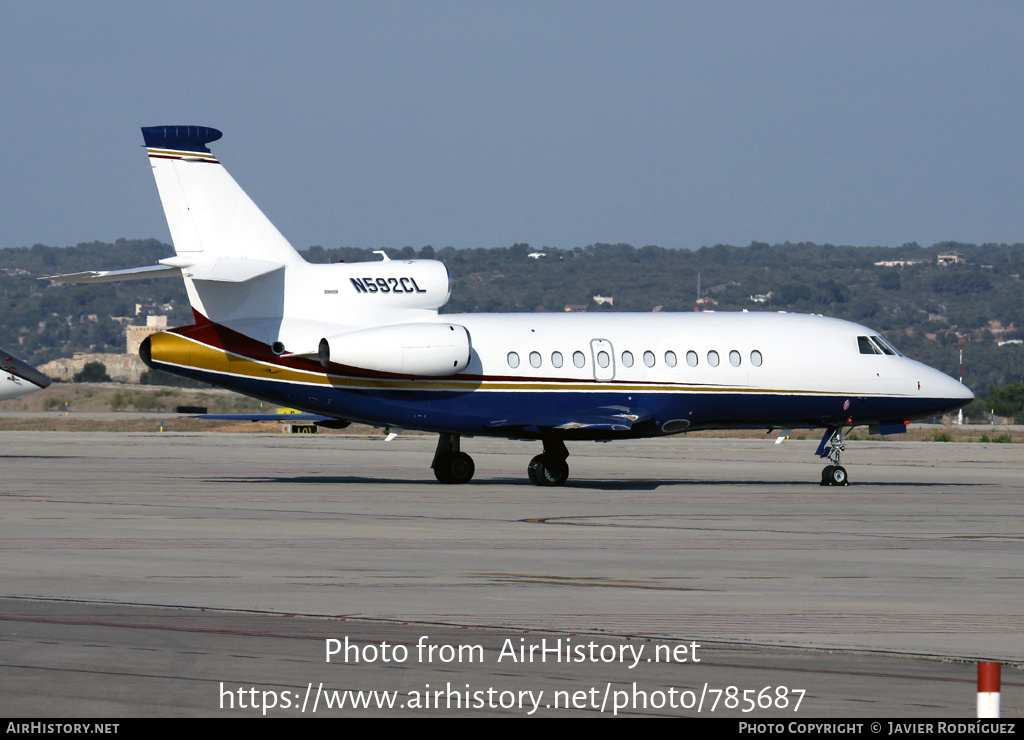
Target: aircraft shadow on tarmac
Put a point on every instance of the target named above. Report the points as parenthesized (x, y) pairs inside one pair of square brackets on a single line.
[(600, 485)]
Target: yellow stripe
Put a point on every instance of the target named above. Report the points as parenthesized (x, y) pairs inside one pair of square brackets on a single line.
[(181, 153)]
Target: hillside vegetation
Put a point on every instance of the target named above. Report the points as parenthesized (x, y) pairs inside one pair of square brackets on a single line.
[(920, 307)]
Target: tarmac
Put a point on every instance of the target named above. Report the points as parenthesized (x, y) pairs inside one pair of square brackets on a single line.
[(163, 574)]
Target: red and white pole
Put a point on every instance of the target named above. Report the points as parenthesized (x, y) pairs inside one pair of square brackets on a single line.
[(988, 690)]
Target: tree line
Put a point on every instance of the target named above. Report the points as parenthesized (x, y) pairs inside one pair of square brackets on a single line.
[(923, 308)]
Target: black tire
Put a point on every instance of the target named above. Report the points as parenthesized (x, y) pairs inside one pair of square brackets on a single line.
[(547, 471), (454, 468), (826, 475)]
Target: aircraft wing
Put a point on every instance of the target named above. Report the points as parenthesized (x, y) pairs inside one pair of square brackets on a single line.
[(325, 421), (608, 418)]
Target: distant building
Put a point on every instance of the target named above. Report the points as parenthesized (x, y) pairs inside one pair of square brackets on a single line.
[(951, 258), (996, 327), (126, 368), (575, 309), (135, 334), (537, 255), (120, 368), (600, 300), (761, 297), (897, 263)]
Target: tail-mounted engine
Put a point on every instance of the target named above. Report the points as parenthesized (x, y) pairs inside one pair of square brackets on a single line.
[(403, 349)]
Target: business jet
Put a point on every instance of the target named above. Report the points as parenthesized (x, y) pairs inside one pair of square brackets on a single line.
[(365, 342), (18, 378)]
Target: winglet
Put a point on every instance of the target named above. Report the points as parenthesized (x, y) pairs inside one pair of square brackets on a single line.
[(180, 138)]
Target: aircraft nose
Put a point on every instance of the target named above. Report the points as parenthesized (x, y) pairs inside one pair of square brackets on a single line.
[(949, 389)]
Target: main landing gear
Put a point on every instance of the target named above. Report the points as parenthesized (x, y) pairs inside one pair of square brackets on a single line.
[(451, 465), (831, 447), (550, 467)]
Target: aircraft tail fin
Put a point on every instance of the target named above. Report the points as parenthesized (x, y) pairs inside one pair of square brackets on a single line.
[(218, 232), (220, 235)]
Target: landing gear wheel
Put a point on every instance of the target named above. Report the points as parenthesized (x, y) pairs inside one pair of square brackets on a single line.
[(831, 447), (531, 472), (834, 475), (454, 467), (547, 471)]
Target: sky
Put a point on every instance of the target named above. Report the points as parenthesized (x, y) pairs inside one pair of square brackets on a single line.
[(555, 123)]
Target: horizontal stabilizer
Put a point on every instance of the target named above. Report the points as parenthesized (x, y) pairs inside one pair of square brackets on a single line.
[(109, 276), (223, 269)]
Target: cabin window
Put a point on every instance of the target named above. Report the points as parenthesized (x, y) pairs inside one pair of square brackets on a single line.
[(627, 359), (535, 359), (513, 360), (649, 358), (556, 359), (713, 358), (691, 358), (579, 359), (670, 358), (603, 359), (734, 358), (756, 359)]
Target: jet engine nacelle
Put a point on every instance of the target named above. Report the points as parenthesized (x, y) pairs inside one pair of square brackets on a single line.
[(404, 349)]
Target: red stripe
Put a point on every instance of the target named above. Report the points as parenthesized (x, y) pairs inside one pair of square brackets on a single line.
[(168, 156), (988, 677), (229, 340)]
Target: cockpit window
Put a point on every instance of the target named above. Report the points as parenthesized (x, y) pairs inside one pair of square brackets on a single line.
[(886, 347), (867, 347), (876, 346)]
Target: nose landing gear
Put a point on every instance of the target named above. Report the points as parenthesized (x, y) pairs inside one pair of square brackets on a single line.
[(831, 447)]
